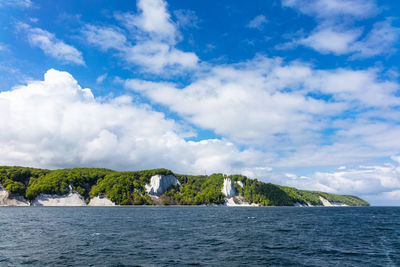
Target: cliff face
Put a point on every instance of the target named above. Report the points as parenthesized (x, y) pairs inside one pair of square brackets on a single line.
[(159, 184), (232, 198), (71, 199), (327, 203), (228, 188), (6, 199), (101, 201), (150, 187)]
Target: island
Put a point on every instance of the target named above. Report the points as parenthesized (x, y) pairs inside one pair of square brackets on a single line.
[(23, 186)]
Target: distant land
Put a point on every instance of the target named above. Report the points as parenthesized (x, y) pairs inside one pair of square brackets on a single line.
[(22, 186)]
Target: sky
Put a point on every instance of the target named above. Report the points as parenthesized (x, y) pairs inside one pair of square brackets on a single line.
[(298, 93)]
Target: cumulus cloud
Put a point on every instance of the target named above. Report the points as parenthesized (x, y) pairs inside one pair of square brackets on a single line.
[(52, 46), (257, 23), (153, 19), (55, 123), (154, 36)]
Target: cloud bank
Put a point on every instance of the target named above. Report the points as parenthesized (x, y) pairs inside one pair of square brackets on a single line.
[(55, 123)]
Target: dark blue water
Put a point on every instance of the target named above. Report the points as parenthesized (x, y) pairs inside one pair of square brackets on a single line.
[(227, 236)]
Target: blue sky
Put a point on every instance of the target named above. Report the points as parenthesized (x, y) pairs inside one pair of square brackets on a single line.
[(299, 93)]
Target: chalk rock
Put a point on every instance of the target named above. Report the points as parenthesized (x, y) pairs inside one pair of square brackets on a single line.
[(159, 184), (238, 201), (71, 199), (228, 189), (240, 183), (7, 199), (327, 203), (101, 201)]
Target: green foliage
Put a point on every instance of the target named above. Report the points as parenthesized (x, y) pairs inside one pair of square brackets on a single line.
[(124, 188), (128, 188), (58, 181), (198, 190), (16, 179), (265, 194), (312, 197)]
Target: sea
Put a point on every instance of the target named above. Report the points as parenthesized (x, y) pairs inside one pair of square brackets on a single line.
[(209, 236)]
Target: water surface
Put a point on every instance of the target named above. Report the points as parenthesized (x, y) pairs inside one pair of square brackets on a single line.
[(228, 236)]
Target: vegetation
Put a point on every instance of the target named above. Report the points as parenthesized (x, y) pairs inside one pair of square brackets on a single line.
[(59, 182), (128, 188), (16, 179)]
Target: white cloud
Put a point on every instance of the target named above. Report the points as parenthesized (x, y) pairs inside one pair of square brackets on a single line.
[(101, 78), (380, 40), (187, 18), (364, 180), (379, 184), (16, 3), (55, 123), (332, 8), (154, 37), (258, 22), (336, 33), (153, 20), (329, 41), (152, 56), (105, 37), (282, 106), (51, 45), (156, 57)]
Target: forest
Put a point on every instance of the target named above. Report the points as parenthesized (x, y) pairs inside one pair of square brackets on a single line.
[(128, 188)]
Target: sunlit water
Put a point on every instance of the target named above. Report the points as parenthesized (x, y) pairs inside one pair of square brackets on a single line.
[(227, 236)]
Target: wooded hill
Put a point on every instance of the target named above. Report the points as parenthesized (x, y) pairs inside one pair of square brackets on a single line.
[(128, 188)]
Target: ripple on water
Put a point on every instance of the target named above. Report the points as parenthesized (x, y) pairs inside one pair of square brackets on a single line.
[(152, 236)]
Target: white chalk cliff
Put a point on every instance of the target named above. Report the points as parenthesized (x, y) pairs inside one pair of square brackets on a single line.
[(71, 199), (327, 203), (6, 199), (159, 184), (238, 201), (228, 189), (101, 201), (232, 199)]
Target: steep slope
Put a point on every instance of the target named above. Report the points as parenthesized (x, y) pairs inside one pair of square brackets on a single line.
[(80, 186)]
